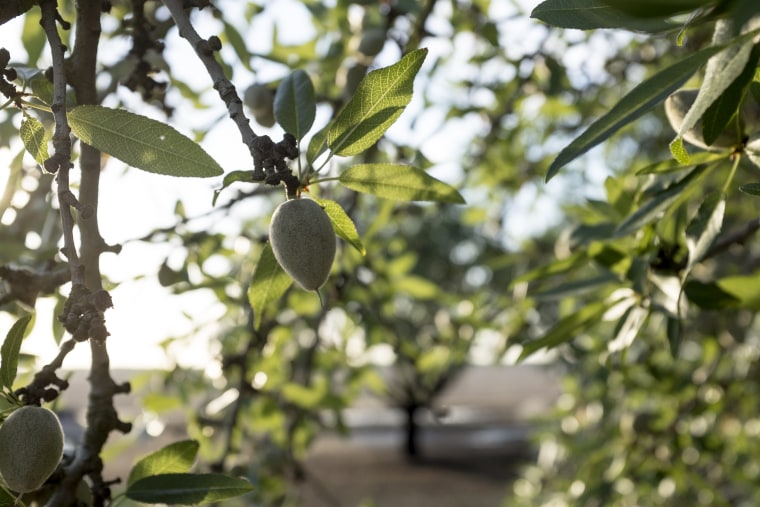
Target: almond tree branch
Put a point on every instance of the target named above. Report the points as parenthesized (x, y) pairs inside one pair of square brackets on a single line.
[(268, 158)]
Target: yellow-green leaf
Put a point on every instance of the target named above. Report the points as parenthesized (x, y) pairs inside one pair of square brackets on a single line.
[(35, 138), (398, 182), (141, 142), (342, 223), (269, 283)]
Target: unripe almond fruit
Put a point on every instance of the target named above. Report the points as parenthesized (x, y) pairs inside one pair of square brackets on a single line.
[(31, 446), (303, 241)]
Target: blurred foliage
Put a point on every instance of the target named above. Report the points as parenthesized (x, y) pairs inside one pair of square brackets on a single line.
[(616, 268)]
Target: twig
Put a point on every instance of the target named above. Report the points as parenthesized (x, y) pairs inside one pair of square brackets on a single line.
[(60, 162), (221, 84), (268, 157)]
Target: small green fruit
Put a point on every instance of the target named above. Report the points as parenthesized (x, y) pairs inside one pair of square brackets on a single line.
[(303, 241), (31, 446)]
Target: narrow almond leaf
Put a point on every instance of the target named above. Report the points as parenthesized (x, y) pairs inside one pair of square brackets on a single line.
[(724, 109), (593, 14), (637, 102), (141, 142), (654, 8), (177, 457), (35, 138), (187, 489), (10, 349), (379, 100), (294, 104), (705, 227), (751, 188), (269, 283), (317, 145), (651, 209), (342, 223), (721, 70), (398, 182)]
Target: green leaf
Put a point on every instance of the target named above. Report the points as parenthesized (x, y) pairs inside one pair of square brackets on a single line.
[(637, 102), (704, 228), (230, 178), (673, 164), (679, 152), (269, 283), (342, 223), (592, 14), (709, 296), (566, 329), (751, 188), (35, 138), (187, 489), (10, 349), (721, 70), (398, 182), (232, 35), (657, 8), (33, 38), (419, 288), (141, 142), (652, 209), (294, 104), (177, 457), (317, 145), (720, 113), (379, 100)]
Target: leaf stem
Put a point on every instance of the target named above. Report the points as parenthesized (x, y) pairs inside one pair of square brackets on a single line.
[(731, 175)]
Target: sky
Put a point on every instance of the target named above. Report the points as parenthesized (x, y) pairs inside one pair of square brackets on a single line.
[(144, 313)]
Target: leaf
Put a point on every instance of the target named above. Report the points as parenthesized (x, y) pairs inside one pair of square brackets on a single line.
[(230, 178), (379, 100), (317, 145), (398, 182), (656, 8), (177, 457), (269, 283), (751, 188), (709, 296), (342, 223), (294, 104), (10, 349), (720, 113), (141, 142), (566, 329), (592, 14), (232, 35), (650, 211), (704, 228), (35, 138), (187, 489), (721, 70), (679, 152), (672, 164), (637, 102)]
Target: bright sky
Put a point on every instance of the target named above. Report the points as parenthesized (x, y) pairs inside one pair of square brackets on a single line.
[(135, 202)]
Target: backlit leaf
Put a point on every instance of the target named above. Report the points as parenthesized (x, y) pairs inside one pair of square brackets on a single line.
[(269, 283), (398, 182), (141, 142), (10, 349), (379, 100), (35, 138), (342, 224), (177, 457)]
